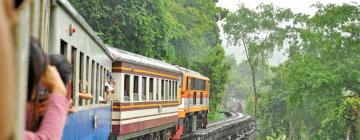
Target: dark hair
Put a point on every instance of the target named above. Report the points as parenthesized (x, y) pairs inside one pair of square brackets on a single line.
[(62, 65), (37, 65)]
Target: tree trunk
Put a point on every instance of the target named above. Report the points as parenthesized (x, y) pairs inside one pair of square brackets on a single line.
[(254, 89), (350, 134)]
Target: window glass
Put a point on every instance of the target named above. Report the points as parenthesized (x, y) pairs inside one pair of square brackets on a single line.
[(176, 90), (194, 98), (81, 75), (136, 88), (85, 83), (143, 88), (74, 74), (162, 89), (63, 48), (151, 88), (97, 84), (127, 87), (93, 80)]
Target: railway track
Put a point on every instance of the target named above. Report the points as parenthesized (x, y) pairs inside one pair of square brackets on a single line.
[(235, 127)]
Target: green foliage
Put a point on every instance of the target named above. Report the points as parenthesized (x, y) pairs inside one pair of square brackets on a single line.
[(305, 97), (143, 27), (214, 67)]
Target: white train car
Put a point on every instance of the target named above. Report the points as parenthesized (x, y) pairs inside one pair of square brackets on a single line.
[(146, 100)]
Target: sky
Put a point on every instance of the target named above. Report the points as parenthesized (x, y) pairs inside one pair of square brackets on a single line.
[(297, 6)]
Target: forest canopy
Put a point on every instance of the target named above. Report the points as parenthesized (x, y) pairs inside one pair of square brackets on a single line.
[(315, 93)]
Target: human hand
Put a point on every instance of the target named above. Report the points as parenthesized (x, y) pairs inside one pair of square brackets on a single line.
[(53, 82), (71, 107)]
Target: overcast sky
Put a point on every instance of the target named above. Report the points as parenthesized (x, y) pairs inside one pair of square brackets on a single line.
[(297, 6)]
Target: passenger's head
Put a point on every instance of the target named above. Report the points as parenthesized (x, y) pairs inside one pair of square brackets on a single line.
[(62, 65), (38, 62)]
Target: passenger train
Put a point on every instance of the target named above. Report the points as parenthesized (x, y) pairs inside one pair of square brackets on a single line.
[(152, 99)]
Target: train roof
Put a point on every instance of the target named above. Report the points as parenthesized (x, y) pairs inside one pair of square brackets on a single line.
[(81, 21), (125, 56), (193, 73)]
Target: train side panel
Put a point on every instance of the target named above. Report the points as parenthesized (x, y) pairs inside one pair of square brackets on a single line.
[(72, 37)]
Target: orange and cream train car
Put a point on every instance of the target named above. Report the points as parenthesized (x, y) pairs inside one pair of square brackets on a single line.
[(194, 98)]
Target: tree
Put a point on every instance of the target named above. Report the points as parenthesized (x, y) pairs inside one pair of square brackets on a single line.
[(323, 65), (140, 26), (259, 32)]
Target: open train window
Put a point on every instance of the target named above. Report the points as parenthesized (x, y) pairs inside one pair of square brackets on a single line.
[(87, 77), (171, 90), (176, 90), (74, 74), (168, 89), (194, 98), (63, 48), (93, 80), (151, 89), (97, 84), (143, 89), (157, 89), (81, 75), (162, 89), (102, 81), (136, 88), (127, 87), (201, 97)]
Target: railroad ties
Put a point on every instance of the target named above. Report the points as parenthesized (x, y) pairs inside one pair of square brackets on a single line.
[(235, 127)]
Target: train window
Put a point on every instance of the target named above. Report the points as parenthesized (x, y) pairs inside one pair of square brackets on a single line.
[(162, 89), (193, 84), (87, 77), (63, 48), (136, 88), (96, 84), (170, 90), (93, 80), (194, 98), (151, 89), (203, 86), (157, 89), (201, 97), (167, 90), (187, 83), (102, 81), (81, 75), (127, 87), (176, 90), (74, 74), (173, 88), (143, 89), (180, 80)]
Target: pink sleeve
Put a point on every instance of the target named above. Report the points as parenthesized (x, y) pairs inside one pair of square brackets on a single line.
[(54, 120)]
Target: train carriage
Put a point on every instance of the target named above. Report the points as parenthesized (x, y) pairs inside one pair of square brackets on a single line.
[(72, 37), (194, 98), (146, 101)]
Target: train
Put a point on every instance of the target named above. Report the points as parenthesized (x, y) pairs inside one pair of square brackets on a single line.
[(152, 99)]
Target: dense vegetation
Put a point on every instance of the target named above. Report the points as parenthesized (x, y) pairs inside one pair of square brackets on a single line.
[(315, 93), (182, 32)]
